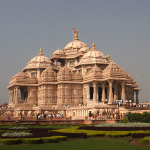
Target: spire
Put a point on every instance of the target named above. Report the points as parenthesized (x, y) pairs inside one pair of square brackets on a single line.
[(40, 50), (76, 36), (108, 56), (93, 45)]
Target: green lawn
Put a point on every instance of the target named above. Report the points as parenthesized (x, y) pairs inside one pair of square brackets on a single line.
[(83, 144)]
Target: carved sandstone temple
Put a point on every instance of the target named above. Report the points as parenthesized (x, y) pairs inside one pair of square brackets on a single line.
[(83, 79)]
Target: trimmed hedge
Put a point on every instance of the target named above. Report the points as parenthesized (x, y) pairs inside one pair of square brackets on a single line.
[(10, 141), (3, 131), (52, 139), (117, 134), (49, 140), (2, 125), (114, 128), (32, 140), (7, 125), (90, 133), (145, 140)]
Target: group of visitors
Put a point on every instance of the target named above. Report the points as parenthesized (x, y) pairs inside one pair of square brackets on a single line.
[(44, 116)]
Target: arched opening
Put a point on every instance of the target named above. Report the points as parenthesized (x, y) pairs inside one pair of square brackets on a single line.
[(91, 92), (100, 93)]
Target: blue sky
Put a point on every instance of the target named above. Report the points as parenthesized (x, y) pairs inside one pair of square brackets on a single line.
[(120, 28)]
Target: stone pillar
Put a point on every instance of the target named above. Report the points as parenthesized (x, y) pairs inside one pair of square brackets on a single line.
[(115, 91), (137, 97), (83, 73), (123, 92), (110, 92), (16, 95), (55, 62), (103, 91), (95, 92), (88, 91)]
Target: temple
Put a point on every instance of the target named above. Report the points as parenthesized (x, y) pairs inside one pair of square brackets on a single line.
[(76, 81)]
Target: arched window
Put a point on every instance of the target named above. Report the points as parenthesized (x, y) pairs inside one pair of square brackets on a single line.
[(71, 63), (33, 74)]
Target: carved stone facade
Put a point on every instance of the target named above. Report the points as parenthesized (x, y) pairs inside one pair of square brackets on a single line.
[(83, 77)]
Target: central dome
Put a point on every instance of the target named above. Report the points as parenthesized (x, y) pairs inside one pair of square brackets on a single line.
[(75, 44)]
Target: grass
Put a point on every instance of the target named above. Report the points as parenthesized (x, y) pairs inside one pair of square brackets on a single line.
[(83, 144)]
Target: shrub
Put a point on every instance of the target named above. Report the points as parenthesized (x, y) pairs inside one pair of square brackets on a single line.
[(10, 141), (145, 140), (31, 140), (117, 134), (9, 125), (2, 125), (3, 131), (137, 117), (49, 140), (43, 124), (60, 138)]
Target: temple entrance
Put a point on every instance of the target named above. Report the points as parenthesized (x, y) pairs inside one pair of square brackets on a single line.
[(100, 93), (91, 92)]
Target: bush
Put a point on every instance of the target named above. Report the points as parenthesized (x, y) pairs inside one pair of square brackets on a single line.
[(49, 140), (9, 125), (2, 125), (145, 140), (137, 117), (117, 134), (43, 124), (10, 141), (31, 140), (3, 131), (60, 138)]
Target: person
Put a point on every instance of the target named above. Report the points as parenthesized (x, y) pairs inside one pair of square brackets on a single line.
[(121, 115), (38, 116)]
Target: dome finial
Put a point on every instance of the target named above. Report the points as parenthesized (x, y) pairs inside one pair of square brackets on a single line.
[(108, 56), (40, 50), (93, 44), (76, 36)]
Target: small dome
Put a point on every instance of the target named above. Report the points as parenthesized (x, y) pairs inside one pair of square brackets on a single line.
[(75, 44), (58, 51), (84, 50), (39, 61), (93, 57)]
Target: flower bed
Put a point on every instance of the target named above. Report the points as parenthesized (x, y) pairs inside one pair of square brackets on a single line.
[(16, 134), (90, 133)]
